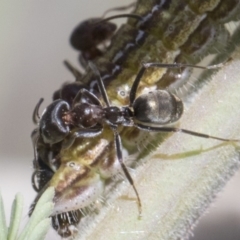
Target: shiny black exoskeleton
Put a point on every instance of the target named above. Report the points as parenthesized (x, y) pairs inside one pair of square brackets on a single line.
[(46, 161), (87, 37), (92, 36)]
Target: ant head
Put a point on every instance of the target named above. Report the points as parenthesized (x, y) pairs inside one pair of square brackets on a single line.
[(158, 107), (52, 126), (88, 34)]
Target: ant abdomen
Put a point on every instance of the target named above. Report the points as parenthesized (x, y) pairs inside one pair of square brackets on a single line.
[(158, 107)]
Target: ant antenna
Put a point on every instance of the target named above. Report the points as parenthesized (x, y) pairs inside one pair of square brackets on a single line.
[(102, 89), (122, 8), (72, 69), (36, 116), (127, 15)]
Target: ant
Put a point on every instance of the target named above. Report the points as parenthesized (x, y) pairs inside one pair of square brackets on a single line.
[(87, 116), (88, 35), (93, 32)]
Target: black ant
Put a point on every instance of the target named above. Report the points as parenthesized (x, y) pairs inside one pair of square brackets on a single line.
[(88, 35), (87, 116), (93, 32)]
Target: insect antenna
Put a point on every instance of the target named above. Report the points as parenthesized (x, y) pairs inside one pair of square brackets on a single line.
[(122, 8), (126, 15), (72, 69), (35, 116)]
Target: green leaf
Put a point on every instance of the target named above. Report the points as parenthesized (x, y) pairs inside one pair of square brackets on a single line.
[(16, 214), (42, 211), (41, 229), (3, 226)]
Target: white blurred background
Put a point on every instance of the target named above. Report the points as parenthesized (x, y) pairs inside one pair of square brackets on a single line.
[(33, 43)]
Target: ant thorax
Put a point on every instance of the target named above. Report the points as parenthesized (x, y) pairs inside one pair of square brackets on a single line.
[(121, 101)]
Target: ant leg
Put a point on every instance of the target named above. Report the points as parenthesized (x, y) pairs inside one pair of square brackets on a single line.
[(101, 86), (133, 90), (72, 69), (172, 129), (132, 94), (180, 65), (84, 96), (83, 133), (118, 146), (36, 116)]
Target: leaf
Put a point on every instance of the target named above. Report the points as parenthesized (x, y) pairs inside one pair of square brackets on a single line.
[(3, 226), (42, 211), (16, 214)]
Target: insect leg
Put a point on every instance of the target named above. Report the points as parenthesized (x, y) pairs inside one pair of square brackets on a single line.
[(173, 129), (83, 133), (133, 91), (118, 146), (84, 96)]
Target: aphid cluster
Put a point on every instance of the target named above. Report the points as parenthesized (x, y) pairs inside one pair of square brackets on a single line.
[(77, 143)]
